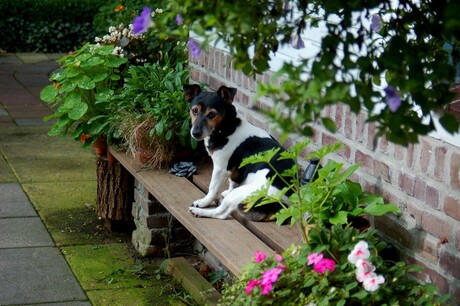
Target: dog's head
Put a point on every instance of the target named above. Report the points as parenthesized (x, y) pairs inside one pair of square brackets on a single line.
[(207, 109)]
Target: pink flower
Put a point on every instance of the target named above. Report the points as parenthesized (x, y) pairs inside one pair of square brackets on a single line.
[(269, 277), (323, 265), (360, 251), (372, 283), (259, 256), (252, 283), (278, 258), (313, 258), (364, 270)]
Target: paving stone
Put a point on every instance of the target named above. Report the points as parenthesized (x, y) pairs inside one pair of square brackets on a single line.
[(23, 232), (10, 192), (16, 209), (31, 122), (37, 275)]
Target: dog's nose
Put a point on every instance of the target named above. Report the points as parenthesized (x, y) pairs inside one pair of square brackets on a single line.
[(196, 134)]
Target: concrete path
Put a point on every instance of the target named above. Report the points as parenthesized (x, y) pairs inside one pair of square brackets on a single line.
[(32, 268)]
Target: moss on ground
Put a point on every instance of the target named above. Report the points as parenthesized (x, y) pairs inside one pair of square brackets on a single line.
[(59, 177)]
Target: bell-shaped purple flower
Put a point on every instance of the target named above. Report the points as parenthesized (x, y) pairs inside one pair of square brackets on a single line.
[(195, 49), (179, 19), (376, 23), (297, 42), (142, 22), (392, 97)]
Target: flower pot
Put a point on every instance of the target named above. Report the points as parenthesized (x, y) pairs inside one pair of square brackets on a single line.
[(360, 223), (100, 145)]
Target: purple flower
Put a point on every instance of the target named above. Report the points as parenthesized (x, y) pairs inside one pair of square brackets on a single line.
[(142, 22), (195, 48), (179, 19), (393, 98), (297, 42), (376, 23)]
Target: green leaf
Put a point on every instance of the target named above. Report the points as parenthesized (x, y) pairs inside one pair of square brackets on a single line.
[(85, 82), (450, 123), (115, 62), (100, 77), (94, 61), (78, 111), (49, 93), (72, 99), (340, 218), (329, 124), (379, 210)]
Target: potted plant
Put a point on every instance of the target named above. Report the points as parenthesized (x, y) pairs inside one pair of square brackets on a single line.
[(330, 198), (80, 91), (149, 115), (337, 264)]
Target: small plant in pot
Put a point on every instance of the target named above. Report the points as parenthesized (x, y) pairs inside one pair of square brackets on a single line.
[(329, 198), (80, 92), (150, 117)]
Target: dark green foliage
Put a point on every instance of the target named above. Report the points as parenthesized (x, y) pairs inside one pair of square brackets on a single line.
[(46, 25)]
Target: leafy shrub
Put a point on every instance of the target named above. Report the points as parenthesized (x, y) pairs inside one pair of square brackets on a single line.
[(47, 25)]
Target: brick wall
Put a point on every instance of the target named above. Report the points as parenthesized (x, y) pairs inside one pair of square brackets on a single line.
[(423, 179)]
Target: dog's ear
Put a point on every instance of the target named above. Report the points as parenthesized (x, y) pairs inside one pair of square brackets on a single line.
[(191, 91), (226, 93)]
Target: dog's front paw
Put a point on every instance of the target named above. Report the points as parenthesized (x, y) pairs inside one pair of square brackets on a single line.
[(194, 211), (201, 203)]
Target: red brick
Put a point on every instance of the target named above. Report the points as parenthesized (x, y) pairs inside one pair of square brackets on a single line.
[(410, 156), (455, 171), (432, 197), (425, 156), (419, 188), (398, 152), (348, 126), (406, 183), (428, 275), (371, 131), (366, 161), (383, 144), (449, 260), (360, 127), (440, 157), (382, 170), (452, 207), (339, 116), (436, 224)]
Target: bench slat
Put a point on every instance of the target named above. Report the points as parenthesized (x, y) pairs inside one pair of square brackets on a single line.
[(277, 237), (228, 240)]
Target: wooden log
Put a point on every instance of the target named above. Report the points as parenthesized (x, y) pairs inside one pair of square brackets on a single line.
[(115, 194)]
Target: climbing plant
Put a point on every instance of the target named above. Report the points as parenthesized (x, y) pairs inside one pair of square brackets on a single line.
[(396, 59)]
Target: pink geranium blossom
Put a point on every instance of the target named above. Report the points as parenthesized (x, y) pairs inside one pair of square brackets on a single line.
[(372, 283), (279, 258), (250, 286), (259, 256), (360, 251), (269, 277), (323, 265), (313, 258)]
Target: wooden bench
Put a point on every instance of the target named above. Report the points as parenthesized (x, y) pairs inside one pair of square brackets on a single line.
[(233, 241)]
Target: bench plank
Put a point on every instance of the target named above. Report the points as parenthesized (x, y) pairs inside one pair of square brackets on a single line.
[(277, 237), (228, 240)]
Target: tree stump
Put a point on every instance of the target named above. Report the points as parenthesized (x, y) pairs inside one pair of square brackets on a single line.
[(115, 195)]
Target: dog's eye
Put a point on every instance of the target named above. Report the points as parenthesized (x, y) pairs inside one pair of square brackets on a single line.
[(211, 115), (194, 111)]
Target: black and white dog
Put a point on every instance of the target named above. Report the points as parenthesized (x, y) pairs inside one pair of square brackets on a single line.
[(229, 138)]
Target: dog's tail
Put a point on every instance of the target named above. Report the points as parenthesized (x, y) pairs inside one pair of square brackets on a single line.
[(260, 213)]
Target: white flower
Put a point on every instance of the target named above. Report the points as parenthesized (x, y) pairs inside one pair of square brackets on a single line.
[(360, 251), (112, 29), (159, 10), (364, 270), (372, 283)]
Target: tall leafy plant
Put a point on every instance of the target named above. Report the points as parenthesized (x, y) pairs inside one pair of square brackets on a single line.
[(81, 91)]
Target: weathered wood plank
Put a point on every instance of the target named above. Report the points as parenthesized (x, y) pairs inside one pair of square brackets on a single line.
[(228, 240), (277, 237)]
